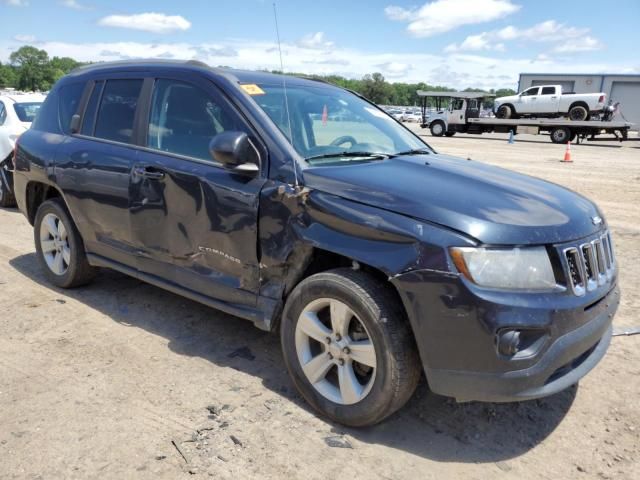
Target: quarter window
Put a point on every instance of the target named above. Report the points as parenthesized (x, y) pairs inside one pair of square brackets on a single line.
[(117, 110), (184, 119), (69, 101), (91, 110)]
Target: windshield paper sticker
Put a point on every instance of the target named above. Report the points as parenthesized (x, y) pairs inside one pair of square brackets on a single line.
[(252, 89)]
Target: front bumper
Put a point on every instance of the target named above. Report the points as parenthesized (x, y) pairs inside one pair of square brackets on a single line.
[(456, 327)]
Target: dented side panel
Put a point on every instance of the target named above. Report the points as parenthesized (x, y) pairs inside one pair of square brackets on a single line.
[(197, 227), (293, 224)]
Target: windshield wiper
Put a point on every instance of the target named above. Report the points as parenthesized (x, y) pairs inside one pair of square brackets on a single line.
[(349, 154), (415, 151)]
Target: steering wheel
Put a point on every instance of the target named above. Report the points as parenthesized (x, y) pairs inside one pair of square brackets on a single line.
[(344, 139)]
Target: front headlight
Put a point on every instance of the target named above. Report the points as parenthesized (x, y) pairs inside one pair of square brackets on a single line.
[(527, 268)]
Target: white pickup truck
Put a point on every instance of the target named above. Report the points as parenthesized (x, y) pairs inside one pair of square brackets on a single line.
[(549, 101)]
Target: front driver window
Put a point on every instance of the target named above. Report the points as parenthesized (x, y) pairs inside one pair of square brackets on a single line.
[(531, 91), (184, 119)]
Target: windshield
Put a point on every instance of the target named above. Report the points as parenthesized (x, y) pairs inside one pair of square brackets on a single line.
[(27, 111), (331, 124)]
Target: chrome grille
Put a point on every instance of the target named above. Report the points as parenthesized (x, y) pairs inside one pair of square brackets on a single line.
[(589, 265)]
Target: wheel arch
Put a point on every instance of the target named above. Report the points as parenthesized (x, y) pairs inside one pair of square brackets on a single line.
[(37, 193), (579, 103)]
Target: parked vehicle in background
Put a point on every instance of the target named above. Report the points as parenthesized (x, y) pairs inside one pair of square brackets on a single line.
[(412, 116), (396, 113), (549, 101), (17, 111), (462, 112), (374, 257)]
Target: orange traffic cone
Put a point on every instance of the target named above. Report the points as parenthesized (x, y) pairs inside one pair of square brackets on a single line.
[(567, 153)]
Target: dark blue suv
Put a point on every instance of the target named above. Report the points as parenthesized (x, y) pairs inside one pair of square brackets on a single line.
[(306, 209)]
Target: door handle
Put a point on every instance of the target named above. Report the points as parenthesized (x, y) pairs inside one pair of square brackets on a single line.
[(554, 97), (149, 172)]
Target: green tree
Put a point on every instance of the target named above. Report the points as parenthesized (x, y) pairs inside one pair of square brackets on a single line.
[(33, 68), (375, 88), (64, 64), (8, 77)]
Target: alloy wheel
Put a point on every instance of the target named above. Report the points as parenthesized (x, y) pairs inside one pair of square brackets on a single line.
[(335, 351), (54, 243)]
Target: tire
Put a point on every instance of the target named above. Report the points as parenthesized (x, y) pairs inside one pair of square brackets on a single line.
[(6, 191), (504, 111), (449, 134), (561, 135), (578, 113), (64, 270), (437, 129), (375, 316)]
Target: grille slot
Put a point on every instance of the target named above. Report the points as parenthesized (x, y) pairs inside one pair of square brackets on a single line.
[(589, 265)]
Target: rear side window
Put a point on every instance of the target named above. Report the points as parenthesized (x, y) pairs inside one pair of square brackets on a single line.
[(3, 113), (69, 102), (92, 108), (117, 110), (548, 90)]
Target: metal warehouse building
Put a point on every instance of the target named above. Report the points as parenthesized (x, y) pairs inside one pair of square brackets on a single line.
[(618, 87)]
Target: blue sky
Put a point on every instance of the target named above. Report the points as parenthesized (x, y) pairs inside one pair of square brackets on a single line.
[(460, 43)]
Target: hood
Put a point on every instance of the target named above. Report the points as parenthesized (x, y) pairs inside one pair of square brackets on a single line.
[(509, 99), (493, 205)]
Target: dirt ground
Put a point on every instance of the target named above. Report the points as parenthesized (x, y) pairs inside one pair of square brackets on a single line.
[(124, 380)]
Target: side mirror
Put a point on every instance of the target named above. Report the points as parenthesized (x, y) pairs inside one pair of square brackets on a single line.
[(74, 127), (235, 151)]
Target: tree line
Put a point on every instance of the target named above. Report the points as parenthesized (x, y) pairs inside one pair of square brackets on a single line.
[(31, 69)]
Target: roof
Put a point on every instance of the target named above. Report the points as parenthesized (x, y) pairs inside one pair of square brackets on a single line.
[(583, 74), (423, 93), (24, 97), (241, 76)]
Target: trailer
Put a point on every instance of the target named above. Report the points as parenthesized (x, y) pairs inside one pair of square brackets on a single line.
[(460, 112)]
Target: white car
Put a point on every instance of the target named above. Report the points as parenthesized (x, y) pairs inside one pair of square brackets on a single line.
[(550, 101), (17, 111), (413, 116)]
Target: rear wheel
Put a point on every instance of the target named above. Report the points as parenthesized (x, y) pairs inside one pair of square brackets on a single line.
[(348, 347), (59, 247), (561, 135), (6, 196), (437, 129), (578, 113)]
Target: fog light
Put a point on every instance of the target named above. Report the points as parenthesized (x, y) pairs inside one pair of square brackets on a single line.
[(508, 342)]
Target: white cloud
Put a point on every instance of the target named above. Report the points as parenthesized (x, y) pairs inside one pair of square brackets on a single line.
[(581, 44), (568, 39), (148, 22), (476, 43), (73, 4), (455, 70), (443, 15), (315, 41), (394, 69), (17, 3), (25, 38)]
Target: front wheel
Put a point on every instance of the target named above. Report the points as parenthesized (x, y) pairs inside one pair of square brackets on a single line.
[(449, 134), (348, 347), (504, 111), (437, 129)]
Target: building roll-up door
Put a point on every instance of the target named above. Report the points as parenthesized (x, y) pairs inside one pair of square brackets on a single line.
[(628, 94)]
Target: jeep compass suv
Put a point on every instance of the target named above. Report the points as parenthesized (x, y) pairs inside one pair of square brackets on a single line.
[(307, 210)]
